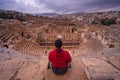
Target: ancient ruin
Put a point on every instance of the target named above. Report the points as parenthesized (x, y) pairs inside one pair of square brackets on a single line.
[(24, 48)]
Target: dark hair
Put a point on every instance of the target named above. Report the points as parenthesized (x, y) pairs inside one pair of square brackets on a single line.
[(58, 44)]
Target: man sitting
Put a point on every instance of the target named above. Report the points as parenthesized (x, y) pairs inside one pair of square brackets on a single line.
[(59, 58)]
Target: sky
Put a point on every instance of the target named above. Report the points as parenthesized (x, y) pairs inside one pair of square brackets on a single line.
[(59, 6)]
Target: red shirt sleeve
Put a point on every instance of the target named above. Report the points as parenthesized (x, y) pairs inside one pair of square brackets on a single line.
[(68, 57)]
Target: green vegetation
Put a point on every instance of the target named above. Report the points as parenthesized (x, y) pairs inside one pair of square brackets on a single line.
[(94, 22), (20, 18), (4, 15), (108, 21), (73, 30)]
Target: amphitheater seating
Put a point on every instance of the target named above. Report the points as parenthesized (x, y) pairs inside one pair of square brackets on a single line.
[(91, 46), (28, 47), (6, 36)]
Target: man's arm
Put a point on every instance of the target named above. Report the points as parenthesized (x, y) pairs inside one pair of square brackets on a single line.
[(68, 58), (69, 65), (49, 57), (48, 67)]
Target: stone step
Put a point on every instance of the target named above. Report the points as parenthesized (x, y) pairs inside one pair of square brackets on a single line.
[(98, 69), (114, 61)]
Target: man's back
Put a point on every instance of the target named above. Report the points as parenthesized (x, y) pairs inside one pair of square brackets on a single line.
[(59, 60)]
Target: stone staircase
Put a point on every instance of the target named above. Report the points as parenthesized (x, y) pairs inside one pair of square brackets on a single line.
[(76, 72), (19, 66), (98, 69)]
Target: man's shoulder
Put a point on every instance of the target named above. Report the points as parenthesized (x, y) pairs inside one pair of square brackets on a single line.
[(52, 51), (65, 51)]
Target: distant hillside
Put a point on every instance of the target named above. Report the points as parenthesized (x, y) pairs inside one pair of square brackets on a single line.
[(46, 14)]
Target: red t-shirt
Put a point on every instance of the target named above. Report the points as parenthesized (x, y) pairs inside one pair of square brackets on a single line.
[(59, 60)]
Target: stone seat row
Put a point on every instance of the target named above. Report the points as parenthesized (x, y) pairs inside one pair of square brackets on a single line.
[(28, 47)]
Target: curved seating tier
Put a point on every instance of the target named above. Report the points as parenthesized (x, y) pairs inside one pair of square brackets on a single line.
[(28, 47), (91, 46)]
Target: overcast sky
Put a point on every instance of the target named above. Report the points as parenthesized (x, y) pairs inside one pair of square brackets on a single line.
[(59, 6)]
